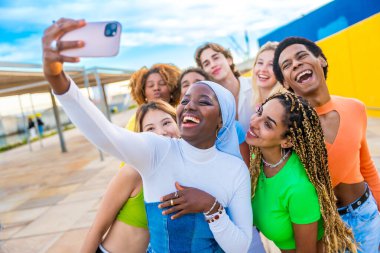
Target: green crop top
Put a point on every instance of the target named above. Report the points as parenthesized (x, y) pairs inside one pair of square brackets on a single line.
[(286, 198), (133, 212)]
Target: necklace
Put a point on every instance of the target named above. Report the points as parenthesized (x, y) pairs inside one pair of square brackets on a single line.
[(278, 163)]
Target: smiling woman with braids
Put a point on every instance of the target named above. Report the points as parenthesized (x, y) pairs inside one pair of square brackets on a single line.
[(293, 200)]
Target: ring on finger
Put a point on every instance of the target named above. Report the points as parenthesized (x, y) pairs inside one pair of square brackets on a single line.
[(176, 194), (54, 45), (171, 202)]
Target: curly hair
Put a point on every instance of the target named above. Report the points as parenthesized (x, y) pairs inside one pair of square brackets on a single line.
[(153, 105), (217, 48), (168, 72), (310, 45), (305, 133)]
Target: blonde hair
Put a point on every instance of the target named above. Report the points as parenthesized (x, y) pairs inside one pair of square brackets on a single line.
[(168, 72), (153, 105), (306, 135), (257, 94)]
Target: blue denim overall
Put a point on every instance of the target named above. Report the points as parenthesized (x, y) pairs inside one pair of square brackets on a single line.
[(189, 233)]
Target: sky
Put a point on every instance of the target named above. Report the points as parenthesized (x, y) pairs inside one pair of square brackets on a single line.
[(166, 31)]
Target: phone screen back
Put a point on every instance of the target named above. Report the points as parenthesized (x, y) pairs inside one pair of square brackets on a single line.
[(97, 44)]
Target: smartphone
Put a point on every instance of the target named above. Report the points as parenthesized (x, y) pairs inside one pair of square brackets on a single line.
[(102, 39)]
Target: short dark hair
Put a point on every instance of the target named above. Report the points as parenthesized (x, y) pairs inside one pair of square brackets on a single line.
[(310, 45), (193, 70)]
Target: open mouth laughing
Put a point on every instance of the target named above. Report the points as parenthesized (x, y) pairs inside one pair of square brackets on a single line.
[(304, 76), (251, 133), (190, 121), (262, 77)]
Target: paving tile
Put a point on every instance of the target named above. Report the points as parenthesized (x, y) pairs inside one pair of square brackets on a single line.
[(78, 177), (83, 195), (12, 201), (8, 231), (31, 244), (86, 220), (57, 219), (41, 202), (21, 216), (60, 190), (70, 241)]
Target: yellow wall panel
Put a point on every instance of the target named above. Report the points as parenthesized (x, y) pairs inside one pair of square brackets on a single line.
[(353, 55)]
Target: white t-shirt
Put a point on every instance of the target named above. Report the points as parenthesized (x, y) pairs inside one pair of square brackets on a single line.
[(162, 161), (245, 104)]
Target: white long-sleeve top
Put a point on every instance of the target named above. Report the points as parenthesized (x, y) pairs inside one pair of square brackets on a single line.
[(162, 161), (245, 106)]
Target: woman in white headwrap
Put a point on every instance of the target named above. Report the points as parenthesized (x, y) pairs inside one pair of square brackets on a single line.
[(207, 158)]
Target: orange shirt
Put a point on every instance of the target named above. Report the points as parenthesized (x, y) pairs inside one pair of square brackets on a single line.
[(349, 158)]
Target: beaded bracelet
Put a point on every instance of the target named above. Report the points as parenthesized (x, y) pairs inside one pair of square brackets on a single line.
[(215, 216), (213, 205)]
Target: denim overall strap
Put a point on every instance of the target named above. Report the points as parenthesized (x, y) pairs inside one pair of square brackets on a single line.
[(189, 233)]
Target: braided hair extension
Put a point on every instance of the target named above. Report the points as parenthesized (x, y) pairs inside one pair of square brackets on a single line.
[(306, 135)]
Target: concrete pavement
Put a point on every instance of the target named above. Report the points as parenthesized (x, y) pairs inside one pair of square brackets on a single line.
[(48, 199)]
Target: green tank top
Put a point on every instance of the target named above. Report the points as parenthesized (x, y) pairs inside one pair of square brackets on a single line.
[(286, 198), (133, 212)]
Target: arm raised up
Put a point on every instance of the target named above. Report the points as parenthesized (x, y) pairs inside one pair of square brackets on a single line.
[(139, 150), (52, 59)]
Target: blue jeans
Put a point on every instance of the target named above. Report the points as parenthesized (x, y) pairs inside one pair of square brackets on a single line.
[(189, 233), (365, 224), (256, 245)]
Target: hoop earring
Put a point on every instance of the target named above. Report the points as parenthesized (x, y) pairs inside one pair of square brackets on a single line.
[(220, 131), (217, 138)]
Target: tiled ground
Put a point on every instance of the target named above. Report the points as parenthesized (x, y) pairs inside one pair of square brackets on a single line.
[(48, 199)]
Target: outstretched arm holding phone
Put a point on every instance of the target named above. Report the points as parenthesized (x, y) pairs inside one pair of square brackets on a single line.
[(52, 59), (89, 120), (150, 154)]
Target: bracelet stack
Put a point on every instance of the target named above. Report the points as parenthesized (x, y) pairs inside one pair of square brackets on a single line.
[(215, 216), (209, 211)]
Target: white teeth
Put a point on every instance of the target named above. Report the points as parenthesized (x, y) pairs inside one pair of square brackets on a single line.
[(252, 133), (305, 72), (190, 119), (263, 76)]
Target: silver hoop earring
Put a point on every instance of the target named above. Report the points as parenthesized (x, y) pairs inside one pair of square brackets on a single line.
[(220, 130)]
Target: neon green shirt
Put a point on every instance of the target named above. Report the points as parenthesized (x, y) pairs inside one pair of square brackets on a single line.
[(133, 212), (286, 198)]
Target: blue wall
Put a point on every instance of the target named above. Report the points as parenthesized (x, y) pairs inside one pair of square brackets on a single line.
[(325, 21)]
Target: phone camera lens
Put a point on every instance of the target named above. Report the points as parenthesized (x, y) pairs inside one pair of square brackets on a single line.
[(111, 29)]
